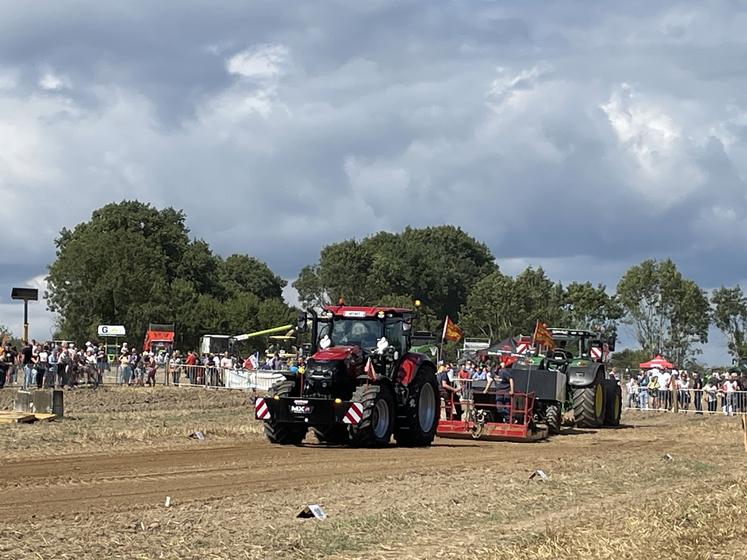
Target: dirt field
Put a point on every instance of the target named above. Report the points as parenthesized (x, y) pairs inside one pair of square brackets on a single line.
[(94, 486)]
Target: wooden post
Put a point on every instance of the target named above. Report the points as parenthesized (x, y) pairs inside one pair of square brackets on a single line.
[(744, 430)]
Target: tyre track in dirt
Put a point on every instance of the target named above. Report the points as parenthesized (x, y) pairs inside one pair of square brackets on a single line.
[(77, 484)]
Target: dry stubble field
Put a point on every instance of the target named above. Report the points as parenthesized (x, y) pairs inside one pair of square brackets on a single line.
[(94, 486)]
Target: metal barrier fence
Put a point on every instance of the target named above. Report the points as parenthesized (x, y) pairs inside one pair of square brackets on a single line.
[(694, 401), (182, 376)]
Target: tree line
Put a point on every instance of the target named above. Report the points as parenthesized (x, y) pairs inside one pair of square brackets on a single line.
[(133, 264)]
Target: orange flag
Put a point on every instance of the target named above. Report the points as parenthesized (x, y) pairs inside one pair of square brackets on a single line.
[(542, 336), (451, 331)]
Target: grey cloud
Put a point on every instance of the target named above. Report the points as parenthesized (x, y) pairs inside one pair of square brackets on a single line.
[(574, 132)]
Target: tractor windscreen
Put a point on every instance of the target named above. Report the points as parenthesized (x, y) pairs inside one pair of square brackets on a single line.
[(577, 346), (354, 332)]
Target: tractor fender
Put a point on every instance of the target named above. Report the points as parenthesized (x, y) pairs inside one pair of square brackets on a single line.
[(585, 375), (409, 366)]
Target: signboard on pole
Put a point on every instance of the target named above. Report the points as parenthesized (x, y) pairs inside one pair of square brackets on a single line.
[(111, 330)]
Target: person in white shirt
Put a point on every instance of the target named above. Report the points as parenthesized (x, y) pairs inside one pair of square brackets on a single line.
[(729, 389), (633, 390), (683, 391)]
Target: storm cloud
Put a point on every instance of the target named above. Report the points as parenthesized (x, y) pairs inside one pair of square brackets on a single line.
[(580, 136)]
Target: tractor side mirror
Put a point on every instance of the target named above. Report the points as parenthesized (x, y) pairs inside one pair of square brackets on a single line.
[(301, 325), (611, 342)]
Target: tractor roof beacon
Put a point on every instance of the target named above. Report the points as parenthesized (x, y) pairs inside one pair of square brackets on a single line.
[(361, 383)]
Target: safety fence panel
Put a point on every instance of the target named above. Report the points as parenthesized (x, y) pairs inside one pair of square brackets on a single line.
[(693, 401)]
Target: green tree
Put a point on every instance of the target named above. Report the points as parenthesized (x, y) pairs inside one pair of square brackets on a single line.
[(730, 317), (590, 307), (670, 314), (438, 265), (245, 274), (500, 306), (629, 359), (134, 264), (491, 309)]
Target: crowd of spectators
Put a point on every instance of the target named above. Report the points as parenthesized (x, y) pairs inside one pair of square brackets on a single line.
[(51, 365), (658, 389)]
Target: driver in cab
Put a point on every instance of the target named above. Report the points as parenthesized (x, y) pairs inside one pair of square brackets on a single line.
[(359, 334)]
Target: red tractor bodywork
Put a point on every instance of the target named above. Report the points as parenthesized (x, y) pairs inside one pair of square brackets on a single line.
[(361, 384)]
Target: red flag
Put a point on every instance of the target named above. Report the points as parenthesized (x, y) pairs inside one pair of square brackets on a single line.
[(369, 370), (451, 331)]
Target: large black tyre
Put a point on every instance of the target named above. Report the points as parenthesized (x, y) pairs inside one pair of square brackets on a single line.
[(283, 433), (417, 419), (377, 421), (613, 402), (588, 406), (552, 418), (336, 434)]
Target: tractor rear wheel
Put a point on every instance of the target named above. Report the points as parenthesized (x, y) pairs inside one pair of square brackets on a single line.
[(588, 406), (613, 403), (283, 433), (377, 421), (552, 418), (336, 434), (417, 420)]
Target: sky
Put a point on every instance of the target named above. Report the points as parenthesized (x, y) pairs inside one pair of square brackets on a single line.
[(583, 137)]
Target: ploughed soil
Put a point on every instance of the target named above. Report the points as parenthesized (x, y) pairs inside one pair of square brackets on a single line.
[(95, 486)]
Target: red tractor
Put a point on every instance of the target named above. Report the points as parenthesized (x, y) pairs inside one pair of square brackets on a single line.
[(361, 384)]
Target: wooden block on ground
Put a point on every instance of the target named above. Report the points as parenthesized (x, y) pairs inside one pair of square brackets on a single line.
[(15, 417), (43, 417)]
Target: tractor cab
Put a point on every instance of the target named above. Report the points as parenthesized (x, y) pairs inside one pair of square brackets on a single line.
[(344, 338), (369, 329), (573, 346)]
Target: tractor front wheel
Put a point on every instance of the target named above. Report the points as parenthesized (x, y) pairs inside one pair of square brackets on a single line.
[(283, 433), (418, 417), (377, 421), (588, 406)]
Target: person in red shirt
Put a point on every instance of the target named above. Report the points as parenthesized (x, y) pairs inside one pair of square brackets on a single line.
[(190, 362)]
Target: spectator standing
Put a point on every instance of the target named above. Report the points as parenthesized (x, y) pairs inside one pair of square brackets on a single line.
[(739, 401), (27, 360), (12, 359), (633, 392), (710, 394), (101, 362), (3, 366), (41, 366), (175, 367), (653, 390), (728, 387), (643, 391), (665, 390), (683, 391), (697, 386), (150, 370), (124, 366)]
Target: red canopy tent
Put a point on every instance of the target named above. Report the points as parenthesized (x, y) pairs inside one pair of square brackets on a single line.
[(658, 362)]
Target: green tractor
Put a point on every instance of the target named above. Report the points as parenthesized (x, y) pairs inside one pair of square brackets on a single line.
[(572, 376)]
